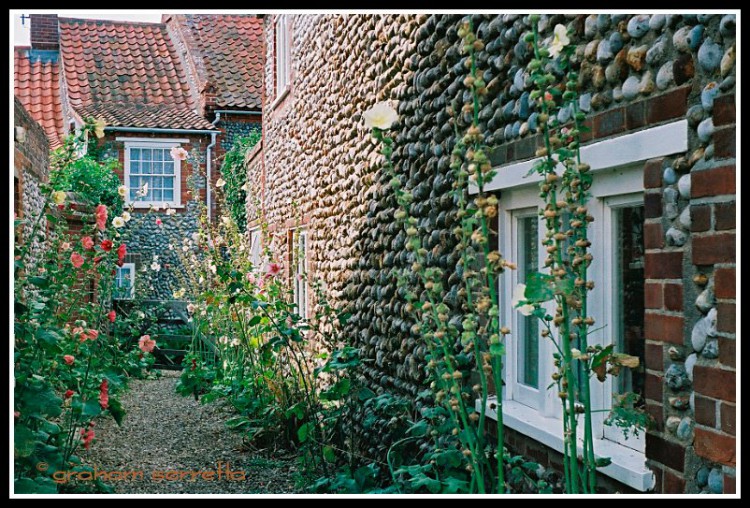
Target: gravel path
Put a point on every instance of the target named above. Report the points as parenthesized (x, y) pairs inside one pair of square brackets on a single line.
[(163, 431)]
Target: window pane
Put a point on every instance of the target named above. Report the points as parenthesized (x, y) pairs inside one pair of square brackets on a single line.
[(169, 167), (528, 364), (135, 154), (135, 167), (157, 168), (629, 295), (156, 195), (168, 194), (146, 154)]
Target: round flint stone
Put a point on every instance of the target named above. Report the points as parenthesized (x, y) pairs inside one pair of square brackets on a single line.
[(709, 55), (716, 481), (638, 26)]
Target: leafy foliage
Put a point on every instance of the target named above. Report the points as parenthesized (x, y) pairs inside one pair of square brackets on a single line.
[(234, 173)]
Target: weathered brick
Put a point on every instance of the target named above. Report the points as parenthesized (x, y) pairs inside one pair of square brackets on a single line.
[(664, 328), (667, 106), (705, 411), (714, 248), (730, 484), (700, 218), (667, 452), (673, 297), (654, 356), (653, 235), (653, 295), (663, 265), (609, 122), (715, 446), (727, 317), (713, 182), (725, 282), (728, 352), (652, 205), (635, 115), (724, 110), (673, 483), (652, 173), (654, 386), (726, 216), (728, 418), (657, 413), (714, 382), (725, 143)]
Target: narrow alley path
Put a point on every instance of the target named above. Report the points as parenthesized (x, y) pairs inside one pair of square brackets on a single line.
[(169, 444)]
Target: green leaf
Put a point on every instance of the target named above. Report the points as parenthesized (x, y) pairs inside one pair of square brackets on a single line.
[(453, 485), (40, 282), (328, 454), (41, 400), (92, 408), (539, 287), (38, 485), (418, 429), (118, 413), (302, 432), (254, 320), (48, 338), (603, 461), (237, 422), (24, 441), (365, 393), (601, 357)]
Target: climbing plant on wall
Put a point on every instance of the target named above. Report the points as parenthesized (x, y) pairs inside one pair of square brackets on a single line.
[(234, 174)]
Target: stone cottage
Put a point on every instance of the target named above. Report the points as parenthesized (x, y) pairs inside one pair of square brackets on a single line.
[(659, 94), (192, 81)]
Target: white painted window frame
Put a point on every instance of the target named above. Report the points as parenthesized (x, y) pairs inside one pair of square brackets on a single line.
[(282, 59), (176, 202), (131, 268), (617, 164), (300, 283)]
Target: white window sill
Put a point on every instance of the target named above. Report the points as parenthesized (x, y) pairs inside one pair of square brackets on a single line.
[(628, 466), (140, 205), (280, 97)]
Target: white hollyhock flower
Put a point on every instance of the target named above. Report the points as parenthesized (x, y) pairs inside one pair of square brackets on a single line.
[(560, 40), (381, 116)]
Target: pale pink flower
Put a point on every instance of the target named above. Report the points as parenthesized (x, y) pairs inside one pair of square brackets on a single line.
[(158, 221), (65, 246), (76, 259), (146, 344), (69, 359), (101, 217), (273, 269), (250, 277), (87, 243), (178, 153)]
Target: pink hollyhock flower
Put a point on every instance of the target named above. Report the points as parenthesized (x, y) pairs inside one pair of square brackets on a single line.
[(250, 277), (121, 251), (146, 344), (76, 259), (101, 217), (273, 269), (69, 359), (106, 245), (111, 316), (87, 243), (16, 414), (93, 334), (69, 394), (88, 437), (104, 394), (65, 246), (178, 153), (158, 221)]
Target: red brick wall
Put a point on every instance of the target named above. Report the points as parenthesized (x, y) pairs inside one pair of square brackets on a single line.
[(44, 31), (713, 194)]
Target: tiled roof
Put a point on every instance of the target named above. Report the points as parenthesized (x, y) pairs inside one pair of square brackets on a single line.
[(231, 47), (37, 86), (127, 72)]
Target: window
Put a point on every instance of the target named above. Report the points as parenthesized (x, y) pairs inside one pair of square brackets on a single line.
[(282, 60), (255, 247), (299, 256), (617, 302), (124, 282), (152, 163)]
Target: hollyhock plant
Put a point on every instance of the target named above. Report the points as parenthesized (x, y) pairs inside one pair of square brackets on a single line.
[(69, 359), (87, 243), (101, 217), (65, 246), (380, 116), (125, 216), (559, 41), (158, 221), (106, 245), (59, 197), (77, 260), (146, 344), (118, 222), (121, 252), (92, 334), (104, 394), (69, 394), (111, 316), (88, 437)]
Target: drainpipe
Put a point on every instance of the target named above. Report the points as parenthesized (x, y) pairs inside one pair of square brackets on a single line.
[(208, 165)]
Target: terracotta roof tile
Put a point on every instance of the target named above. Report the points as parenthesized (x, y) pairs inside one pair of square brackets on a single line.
[(37, 86), (129, 73), (232, 51)]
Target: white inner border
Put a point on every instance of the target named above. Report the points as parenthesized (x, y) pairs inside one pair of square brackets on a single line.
[(628, 466)]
